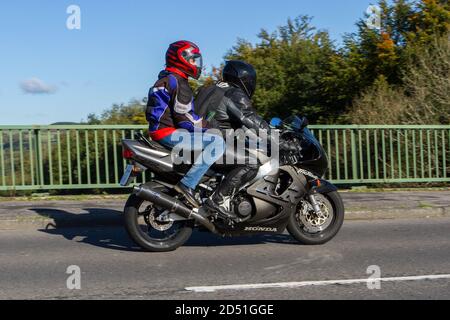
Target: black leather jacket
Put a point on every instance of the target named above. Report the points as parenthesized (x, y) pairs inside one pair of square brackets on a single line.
[(228, 107)]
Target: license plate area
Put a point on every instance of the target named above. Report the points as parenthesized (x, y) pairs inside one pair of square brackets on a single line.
[(127, 176)]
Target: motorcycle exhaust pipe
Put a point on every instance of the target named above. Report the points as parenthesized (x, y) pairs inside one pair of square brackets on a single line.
[(173, 205)]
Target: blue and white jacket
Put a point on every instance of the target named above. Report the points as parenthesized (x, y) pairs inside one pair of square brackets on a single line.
[(170, 106)]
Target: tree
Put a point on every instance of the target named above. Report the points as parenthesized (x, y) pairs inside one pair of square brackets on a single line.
[(382, 61), (373, 54), (431, 19), (424, 97), (296, 71)]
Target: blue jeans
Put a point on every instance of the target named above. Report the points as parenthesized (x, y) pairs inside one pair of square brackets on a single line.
[(211, 148)]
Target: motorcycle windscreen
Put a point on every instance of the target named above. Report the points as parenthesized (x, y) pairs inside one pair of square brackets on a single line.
[(314, 158)]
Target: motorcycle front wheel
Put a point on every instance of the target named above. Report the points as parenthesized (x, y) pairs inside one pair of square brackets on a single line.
[(311, 229), (149, 231)]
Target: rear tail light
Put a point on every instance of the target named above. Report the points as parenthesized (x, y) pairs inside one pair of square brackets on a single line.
[(127, 153)]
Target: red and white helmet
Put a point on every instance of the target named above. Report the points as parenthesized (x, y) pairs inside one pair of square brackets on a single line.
[(184, 57)]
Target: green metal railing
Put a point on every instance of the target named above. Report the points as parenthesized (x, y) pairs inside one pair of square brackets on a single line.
[(89, 157)]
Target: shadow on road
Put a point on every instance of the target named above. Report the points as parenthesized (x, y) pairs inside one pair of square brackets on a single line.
[(97, 227), (104, 228), (92, 217), (205, 239)]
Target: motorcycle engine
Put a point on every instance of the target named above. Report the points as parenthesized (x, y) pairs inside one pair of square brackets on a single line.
[(243, 207)]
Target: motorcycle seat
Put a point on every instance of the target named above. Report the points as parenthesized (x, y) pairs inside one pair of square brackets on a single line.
[(158, 147)]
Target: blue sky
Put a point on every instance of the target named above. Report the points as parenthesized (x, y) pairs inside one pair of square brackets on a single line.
[(120, 48)]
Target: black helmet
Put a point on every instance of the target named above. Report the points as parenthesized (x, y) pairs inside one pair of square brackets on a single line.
[(240, 74)]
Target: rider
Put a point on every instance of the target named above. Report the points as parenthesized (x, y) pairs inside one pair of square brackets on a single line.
[(170, 108), (228, 104)]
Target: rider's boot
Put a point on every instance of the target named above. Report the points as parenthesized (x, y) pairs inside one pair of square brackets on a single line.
[(217, 203), (228, 187), (188, 193)]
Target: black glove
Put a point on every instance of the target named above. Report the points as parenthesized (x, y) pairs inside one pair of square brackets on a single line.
[(289, 152), (288, 146)]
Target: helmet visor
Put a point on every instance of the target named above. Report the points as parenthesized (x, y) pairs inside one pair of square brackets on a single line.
[(196, 60)]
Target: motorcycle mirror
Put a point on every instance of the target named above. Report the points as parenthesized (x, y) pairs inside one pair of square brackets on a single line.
[(276, 123)]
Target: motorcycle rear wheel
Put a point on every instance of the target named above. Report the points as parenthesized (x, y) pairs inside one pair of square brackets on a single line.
[(302, 228), (147, 236)]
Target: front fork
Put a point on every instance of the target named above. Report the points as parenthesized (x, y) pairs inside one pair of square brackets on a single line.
[(315, 204), (319, 186)]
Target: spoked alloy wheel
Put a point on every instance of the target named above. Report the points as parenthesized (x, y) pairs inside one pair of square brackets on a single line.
[(311, 222), (155, 223), (310, 228), (151, 229)]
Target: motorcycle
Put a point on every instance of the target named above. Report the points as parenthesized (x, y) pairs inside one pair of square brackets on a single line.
[(290, 194)]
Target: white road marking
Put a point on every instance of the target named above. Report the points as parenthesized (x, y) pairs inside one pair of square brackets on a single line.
[(311, 283)]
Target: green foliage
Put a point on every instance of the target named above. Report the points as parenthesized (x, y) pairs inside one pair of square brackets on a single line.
[(424, 97), (301, 71), (296, 71), (431, 18), (131, 113), (406, 26)]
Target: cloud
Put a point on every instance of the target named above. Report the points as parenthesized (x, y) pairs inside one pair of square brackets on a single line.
[(37, 86)]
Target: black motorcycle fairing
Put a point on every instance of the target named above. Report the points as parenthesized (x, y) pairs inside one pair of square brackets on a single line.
[(324, 187), (312, 155), (269, 220), (313, 158)]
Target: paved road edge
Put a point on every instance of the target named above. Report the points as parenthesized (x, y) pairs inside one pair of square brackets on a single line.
[(98, 220)]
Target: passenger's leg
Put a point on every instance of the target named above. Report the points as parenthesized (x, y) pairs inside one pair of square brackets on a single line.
[(213, 147)]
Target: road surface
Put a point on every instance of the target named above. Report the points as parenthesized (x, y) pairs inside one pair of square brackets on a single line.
[(33, 264)]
